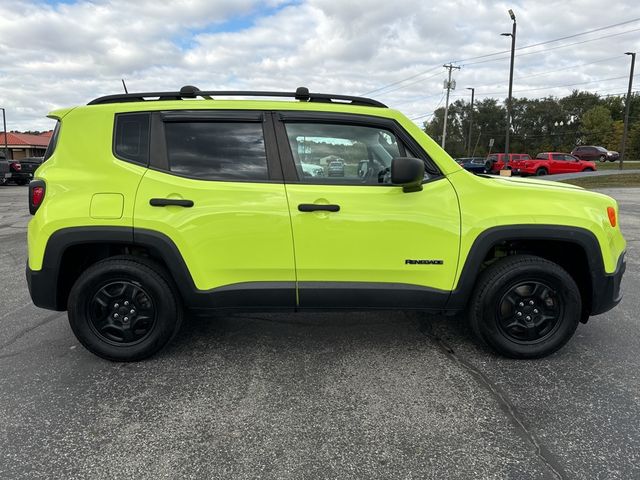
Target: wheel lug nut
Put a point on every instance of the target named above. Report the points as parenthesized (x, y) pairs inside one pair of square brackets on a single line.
[(535, 310), (115, 315), (531, 302), (527, 318), (126, 319), (132, 311), (126, 303), (519, 314), (116, 306), (521, 304)]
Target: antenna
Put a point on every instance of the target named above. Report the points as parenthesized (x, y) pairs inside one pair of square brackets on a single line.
[(125, 86)]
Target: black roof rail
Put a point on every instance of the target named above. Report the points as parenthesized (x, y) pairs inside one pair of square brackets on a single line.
[(189, 91)]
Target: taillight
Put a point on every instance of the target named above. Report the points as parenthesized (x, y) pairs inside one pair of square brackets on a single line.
[(16, 166), (37, 189), (611, 212)]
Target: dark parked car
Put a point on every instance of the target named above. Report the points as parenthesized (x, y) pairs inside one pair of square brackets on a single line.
[(21, 171), (473, 164), (592, 153), (4, 169), (336, 168)]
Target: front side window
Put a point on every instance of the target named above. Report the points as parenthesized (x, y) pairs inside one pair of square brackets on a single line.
[(557, 156), (217, 150), (343, 154)]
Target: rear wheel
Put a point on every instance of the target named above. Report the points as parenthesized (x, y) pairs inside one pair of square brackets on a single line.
[(124, 309), (541, 171), (588, 169), (525, 307), (488, 166), (603, 158)]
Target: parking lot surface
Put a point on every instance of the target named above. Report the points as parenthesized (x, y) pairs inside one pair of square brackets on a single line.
[(296, 396)]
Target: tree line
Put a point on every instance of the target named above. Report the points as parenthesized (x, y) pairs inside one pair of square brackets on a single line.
[(540, 124)]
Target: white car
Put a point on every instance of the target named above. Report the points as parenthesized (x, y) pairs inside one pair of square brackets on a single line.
[(312, 170)]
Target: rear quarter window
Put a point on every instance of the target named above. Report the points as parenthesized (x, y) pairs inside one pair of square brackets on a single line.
[(131, 139)]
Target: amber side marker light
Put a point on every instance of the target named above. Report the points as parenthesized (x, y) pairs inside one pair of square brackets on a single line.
[(612, 216)]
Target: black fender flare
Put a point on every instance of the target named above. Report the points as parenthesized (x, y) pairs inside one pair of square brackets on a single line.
[(491, 237)]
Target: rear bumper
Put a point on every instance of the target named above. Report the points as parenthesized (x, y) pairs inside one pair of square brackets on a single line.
[(43, 288), (606, 290)]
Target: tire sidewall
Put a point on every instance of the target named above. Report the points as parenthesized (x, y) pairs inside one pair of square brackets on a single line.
[(167, 313), (555, 278)]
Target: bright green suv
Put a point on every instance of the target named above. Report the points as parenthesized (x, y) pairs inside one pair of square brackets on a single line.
[(149, 204)]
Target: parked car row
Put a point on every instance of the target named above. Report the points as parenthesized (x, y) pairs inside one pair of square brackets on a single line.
[(581, 159), (20, 171)]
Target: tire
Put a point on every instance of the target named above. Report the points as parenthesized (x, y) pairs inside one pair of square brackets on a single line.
[(588, 169), (541, 172), (488, 167), (602, 158), (124, 292), (506, 288)]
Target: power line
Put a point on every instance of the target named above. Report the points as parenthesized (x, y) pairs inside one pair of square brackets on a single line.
[(519, 48), (554, 48), (558, 86)]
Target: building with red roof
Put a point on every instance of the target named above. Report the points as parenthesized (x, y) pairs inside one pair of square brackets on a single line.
[(23, 145)]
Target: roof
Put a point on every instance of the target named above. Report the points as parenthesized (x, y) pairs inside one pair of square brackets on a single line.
[(26, 139)]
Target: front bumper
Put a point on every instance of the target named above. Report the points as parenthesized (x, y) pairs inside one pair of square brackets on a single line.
[(606, 289)]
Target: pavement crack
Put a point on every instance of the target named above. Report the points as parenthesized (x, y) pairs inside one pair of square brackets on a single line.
[(22, 333), (541, 451)]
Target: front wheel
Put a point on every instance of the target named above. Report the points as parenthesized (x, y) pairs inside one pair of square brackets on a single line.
[(124, 309), (525, 307), (588, 169), (603, 158)]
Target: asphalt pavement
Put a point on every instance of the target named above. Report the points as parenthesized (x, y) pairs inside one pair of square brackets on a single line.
[(314, 396)]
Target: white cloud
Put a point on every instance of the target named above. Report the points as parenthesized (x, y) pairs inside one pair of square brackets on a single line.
[(68, 54)]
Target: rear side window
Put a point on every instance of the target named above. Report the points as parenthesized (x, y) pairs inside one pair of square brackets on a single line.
[(52, 142), (217, 150), (132, 137)]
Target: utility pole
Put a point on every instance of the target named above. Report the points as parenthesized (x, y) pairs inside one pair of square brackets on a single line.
[(448, 85), (473, 91), (627, 107), (509, 100), (4, 124)]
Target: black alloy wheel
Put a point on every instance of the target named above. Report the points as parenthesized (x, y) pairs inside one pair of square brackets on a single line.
[(122, 313), (529, 312)]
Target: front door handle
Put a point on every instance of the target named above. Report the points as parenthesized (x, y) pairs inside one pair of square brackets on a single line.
[(167, 202), (316, 207)]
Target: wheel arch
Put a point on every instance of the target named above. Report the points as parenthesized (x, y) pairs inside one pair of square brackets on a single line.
[(70, 251), (575, 249)]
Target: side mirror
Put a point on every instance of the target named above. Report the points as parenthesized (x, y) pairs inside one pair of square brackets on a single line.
[(408, 172)]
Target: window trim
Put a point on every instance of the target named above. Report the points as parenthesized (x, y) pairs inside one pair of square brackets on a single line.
[(288, 163), (159, 158), (53, 142)]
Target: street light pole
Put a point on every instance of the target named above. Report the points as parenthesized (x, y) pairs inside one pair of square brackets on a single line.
[(509, 100), (473, 91), (627, 107), (4, 125)]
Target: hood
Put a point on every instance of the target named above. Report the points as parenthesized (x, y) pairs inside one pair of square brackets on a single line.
[(533, 181)]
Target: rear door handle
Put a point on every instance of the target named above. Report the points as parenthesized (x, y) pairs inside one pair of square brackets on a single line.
[(316, 207), (167, 202)]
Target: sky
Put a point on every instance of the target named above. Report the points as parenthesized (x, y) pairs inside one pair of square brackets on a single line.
[(62, 53)]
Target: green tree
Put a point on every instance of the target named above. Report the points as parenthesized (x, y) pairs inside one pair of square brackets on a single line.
[(597, 125)]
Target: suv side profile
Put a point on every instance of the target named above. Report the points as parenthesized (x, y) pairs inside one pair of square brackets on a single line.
[(203, 205), (591, 153)]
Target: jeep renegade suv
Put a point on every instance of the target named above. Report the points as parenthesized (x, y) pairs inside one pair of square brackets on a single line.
[(151, 203)]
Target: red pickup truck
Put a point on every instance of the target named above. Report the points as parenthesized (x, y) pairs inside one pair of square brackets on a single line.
[(549, 163)]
